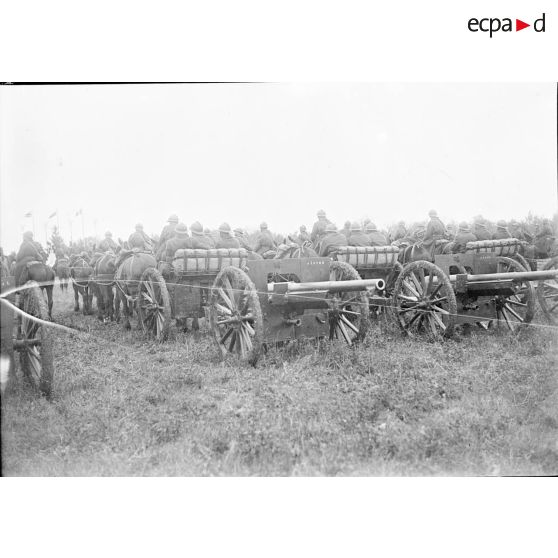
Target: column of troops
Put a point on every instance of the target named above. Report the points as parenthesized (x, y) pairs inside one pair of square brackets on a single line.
[(324, 238)]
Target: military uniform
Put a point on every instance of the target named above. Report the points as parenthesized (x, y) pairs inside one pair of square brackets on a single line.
[(303, 236), (501, 233), (201, 242), (176, 243), (331, 241), (318, 230), (463, 236), (227, 241), (399, 232), (29, 251), (376, 238), (481, 231), (358, 238), (264, 242), (435, 230), (107, 244), (167, 233), (137, 240)]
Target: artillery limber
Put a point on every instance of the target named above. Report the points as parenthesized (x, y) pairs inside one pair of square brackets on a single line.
[(28, 334)]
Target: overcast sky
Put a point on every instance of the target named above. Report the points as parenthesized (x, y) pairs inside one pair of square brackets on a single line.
[(273, 152)]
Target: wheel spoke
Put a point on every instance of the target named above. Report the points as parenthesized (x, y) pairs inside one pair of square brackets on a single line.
[(344, 332), (513, 312), (516, 302), (226, 335), (225, 298), (349, 324), (438, 320), (230, 292), (440, 310), (411, 289), (432, 325), (417, 283)]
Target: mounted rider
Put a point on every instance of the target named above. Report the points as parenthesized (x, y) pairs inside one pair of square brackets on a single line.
[(462, 236), (303, 235), (435, 230), (241, 237), (30, 250), (199, 240), (332, 240), (226, 240), (209, 236), (179, 241), (480, 229), (356, 236), (108, 244), (501, 231), (375, 237), (168, 230), (139, 239), (264, 241), (319, 228)]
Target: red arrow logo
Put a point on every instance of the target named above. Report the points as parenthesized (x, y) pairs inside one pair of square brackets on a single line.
[(519, 25)]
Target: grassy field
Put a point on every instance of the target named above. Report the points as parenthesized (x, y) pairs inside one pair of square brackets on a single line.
[(480, 404)]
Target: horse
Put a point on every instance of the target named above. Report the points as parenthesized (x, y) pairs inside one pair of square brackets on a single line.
[(127, 278), (104, 270), (62, 270), (33, 270), (413, 250), (80, 273)]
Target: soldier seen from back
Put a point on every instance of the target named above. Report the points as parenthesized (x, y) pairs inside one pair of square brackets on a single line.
[(375, 237), (209, 236), (226, 239), (399, 232), (346, 230), (332, 240), (108, 244), (303, 235), (30, 250), (199, 239), (463, 236), (139, 239), (319, 228), (435, 229), (480, 229), (501, 231), (242, 240), (179, 241), (264, 241), (357, 237), (168, 230)]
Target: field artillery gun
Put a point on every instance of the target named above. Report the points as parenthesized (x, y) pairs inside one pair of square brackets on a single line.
[(28, 334), (252, 303), (476, 287)]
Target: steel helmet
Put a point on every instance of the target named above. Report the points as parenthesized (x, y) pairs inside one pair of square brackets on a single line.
[(302, 228), (433, 213), (28, 235), (330, 227), (263, 225), (139, 227), (321, 213), (464, 226), (370, 227), (501, 224), (173, 218), (196, 228), (225, 228), (238, 231), (108, 234), (355, 226), (181, 229)]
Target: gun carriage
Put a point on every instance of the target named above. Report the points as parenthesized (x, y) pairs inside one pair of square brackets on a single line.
[(28, 334)]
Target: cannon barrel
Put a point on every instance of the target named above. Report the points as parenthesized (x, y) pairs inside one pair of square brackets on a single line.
[(331, 286), (511, 276)]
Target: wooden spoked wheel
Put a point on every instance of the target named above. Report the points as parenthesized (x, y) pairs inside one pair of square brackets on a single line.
[(235, 315), (35, 339), (515, 309), (547, 293), (153, 304), (424, 301), (348, 311)]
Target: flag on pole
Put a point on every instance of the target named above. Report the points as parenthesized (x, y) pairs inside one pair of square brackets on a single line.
[(79, 212), (52, 215), (30, 214)]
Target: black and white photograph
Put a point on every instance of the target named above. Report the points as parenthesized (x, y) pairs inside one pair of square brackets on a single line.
[(279, 279)]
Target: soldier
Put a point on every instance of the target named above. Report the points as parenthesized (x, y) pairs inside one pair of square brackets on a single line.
[(226, 240), (139, 239), (303, 235), (108, 244), (30, 250), (516, 230), (209, 236), (168, 230), (199, 240), (435, 230), (264, 241), (480, 230), (332, 240), (357, 237), (375, 237), (180, 240), (463, 236), (346, 229), (400, 231), (501, 231), (241, 237), (318, 230)]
